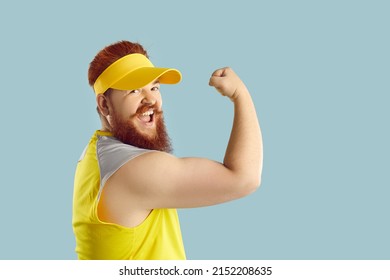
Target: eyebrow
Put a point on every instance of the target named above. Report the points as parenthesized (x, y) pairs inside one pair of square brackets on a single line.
[(154, 83)]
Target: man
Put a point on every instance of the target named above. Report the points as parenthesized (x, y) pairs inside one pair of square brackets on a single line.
[(128, 185)]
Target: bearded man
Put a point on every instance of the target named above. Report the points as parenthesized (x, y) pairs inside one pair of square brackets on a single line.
[(128, 185)]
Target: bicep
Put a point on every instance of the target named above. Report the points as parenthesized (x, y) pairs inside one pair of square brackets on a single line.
[(160, 180)]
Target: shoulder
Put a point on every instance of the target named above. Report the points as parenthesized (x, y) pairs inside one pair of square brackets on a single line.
[(112, 154)]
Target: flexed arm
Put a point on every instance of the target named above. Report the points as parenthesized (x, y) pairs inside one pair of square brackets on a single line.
[(161, 180), (244, 154)]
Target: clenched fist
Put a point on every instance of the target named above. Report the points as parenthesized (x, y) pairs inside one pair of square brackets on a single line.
[(227, 83)]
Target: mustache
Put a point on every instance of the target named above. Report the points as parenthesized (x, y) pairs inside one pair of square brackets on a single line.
[(146, 108)]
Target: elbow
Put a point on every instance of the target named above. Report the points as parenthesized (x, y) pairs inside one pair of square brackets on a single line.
[(250, 184), (250, 179), (254, 184)]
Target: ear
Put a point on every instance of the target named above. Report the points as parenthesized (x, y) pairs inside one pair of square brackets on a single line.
[(102, 104)]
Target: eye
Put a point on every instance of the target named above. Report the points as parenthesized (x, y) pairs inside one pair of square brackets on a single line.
[(134, 91), (156, 88)]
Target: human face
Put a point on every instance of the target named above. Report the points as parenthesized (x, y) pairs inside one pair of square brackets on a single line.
[(136, 118), (140, 107)]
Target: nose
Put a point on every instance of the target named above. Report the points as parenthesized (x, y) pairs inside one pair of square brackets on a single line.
[(149, 97)]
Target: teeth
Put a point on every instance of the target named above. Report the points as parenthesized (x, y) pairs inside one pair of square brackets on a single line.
[(148, 113)]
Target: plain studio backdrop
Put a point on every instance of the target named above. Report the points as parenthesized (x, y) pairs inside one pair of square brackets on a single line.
[(319, 75)]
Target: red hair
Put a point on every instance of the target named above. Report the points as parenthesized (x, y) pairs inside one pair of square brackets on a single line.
[(109, 55)]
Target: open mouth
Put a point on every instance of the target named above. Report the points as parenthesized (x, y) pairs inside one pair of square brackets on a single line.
[(147, 117)]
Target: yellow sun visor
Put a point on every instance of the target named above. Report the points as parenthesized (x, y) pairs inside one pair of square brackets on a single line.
[(133, 71)]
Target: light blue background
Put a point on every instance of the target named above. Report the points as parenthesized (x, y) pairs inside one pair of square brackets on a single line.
[(319, 75)]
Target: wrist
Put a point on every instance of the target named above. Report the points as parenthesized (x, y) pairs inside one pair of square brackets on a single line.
[(239, 93)]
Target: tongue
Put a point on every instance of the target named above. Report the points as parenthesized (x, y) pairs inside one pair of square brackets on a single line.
[(145, 118)]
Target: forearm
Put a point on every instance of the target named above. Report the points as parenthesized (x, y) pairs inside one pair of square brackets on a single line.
[(244, 153)]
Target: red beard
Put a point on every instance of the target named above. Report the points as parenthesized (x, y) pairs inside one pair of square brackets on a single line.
[(126, 132)]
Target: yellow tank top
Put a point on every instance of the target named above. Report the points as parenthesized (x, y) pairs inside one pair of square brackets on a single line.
[(158, 237)]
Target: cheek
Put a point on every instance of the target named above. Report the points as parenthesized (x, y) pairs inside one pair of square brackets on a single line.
[(126, 110), (159, 103)]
